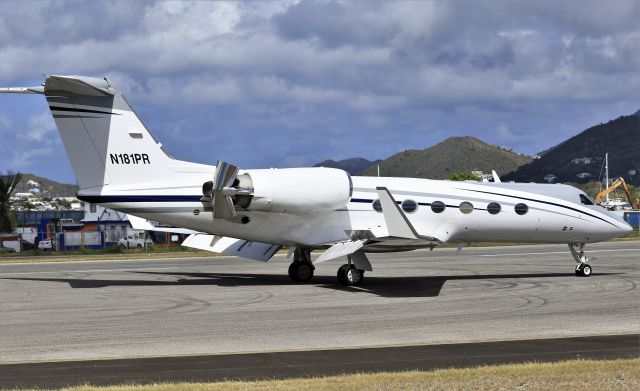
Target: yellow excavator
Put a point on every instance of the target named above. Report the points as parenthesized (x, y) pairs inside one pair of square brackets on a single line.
[(614, 185)]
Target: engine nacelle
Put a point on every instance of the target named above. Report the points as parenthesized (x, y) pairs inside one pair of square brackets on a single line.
[(313, 189)]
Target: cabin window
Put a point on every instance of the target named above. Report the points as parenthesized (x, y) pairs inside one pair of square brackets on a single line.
[(377, 206), (92, 208), (494, 208), (409, 206), (521, 209), (466, 207), (585, 200), (438, 206)]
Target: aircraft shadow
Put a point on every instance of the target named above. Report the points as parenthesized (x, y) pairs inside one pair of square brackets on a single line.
[(414, 286)]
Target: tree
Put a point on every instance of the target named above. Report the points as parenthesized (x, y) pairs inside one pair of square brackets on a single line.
[(463, 176), (8, 184)]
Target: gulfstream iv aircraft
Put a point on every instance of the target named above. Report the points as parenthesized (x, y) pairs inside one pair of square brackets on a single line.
[(252, 213)]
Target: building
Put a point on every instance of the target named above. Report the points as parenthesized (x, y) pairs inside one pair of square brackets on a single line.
[(582, 160), (46, 223), (115, 225)]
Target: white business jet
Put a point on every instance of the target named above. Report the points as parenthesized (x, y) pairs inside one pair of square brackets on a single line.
[(253, 213)]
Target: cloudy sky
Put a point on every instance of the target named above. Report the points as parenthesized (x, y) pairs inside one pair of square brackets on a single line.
[(291, 83)]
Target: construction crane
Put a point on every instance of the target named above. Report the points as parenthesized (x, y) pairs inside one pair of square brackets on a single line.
[(614, 185)]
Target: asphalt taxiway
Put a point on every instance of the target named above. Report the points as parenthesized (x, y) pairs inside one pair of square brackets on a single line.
[(220, 305), (282, 365)]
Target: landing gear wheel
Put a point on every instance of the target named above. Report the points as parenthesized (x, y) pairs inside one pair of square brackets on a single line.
[(350, 276), (583, 270), (301, 271)]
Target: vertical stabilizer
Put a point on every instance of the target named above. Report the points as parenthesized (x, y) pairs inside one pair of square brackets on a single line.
[(105, 140)]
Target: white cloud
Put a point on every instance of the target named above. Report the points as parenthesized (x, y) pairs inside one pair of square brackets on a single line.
[(27, 158), (41, 127), (408, 72)]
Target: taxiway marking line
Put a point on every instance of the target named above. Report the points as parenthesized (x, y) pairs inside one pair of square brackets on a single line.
[(92, 270), (557, 252)]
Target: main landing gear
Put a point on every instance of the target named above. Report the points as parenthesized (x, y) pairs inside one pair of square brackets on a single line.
[(349, 275), (301, 269), (583, 269)]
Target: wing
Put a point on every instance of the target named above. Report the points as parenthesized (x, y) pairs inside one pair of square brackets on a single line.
[(231, 246), (401, 235), (140, 223)]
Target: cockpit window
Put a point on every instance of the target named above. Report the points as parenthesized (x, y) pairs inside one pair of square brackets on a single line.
[(585, 200)]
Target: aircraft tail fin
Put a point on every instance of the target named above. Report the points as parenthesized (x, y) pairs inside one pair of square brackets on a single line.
[(105, 140)]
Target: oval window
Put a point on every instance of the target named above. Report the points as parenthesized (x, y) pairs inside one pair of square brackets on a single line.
[(409, 206), (377, 206), (521, 209), (466, 207), (438, 206), (494, 208)]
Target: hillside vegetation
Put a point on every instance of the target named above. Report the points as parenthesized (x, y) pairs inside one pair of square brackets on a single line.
[(48, 188), (455, 154), (353, 166), (620, 138)]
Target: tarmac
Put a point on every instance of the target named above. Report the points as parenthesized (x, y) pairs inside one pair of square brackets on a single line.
[(315, 363), (126, 309)]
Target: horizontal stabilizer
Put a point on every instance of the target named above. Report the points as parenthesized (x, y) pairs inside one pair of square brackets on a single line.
[(398, 225), (231, 246), (340, 249), (80, 85), (22, 90)]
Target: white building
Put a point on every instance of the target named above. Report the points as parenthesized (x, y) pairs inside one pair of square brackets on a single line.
[(114, 224)]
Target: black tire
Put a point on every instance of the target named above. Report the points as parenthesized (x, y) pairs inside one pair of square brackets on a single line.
[(292, 272), (359, 282), (139, 245), (301, 271), (584, 270), (350, 276), (342, 275), (355, 276)]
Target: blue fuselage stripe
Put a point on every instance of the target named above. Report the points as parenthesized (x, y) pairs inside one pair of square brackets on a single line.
[(99, 199)]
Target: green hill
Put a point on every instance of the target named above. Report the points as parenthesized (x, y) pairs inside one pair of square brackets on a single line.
[(620, 138), (452, 155), (353, 166), (48, 187)]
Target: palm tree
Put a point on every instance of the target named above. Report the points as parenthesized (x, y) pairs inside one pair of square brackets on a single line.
[(8, 184)]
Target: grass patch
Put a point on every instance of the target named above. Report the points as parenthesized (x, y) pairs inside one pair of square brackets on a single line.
[(566, 375), (635, 234)]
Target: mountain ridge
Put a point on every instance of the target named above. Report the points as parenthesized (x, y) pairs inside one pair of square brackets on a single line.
[(584, 154), (353, 166), (455, 154)]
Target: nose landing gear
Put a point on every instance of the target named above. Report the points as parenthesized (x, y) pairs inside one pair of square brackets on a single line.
[(583, 269)]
